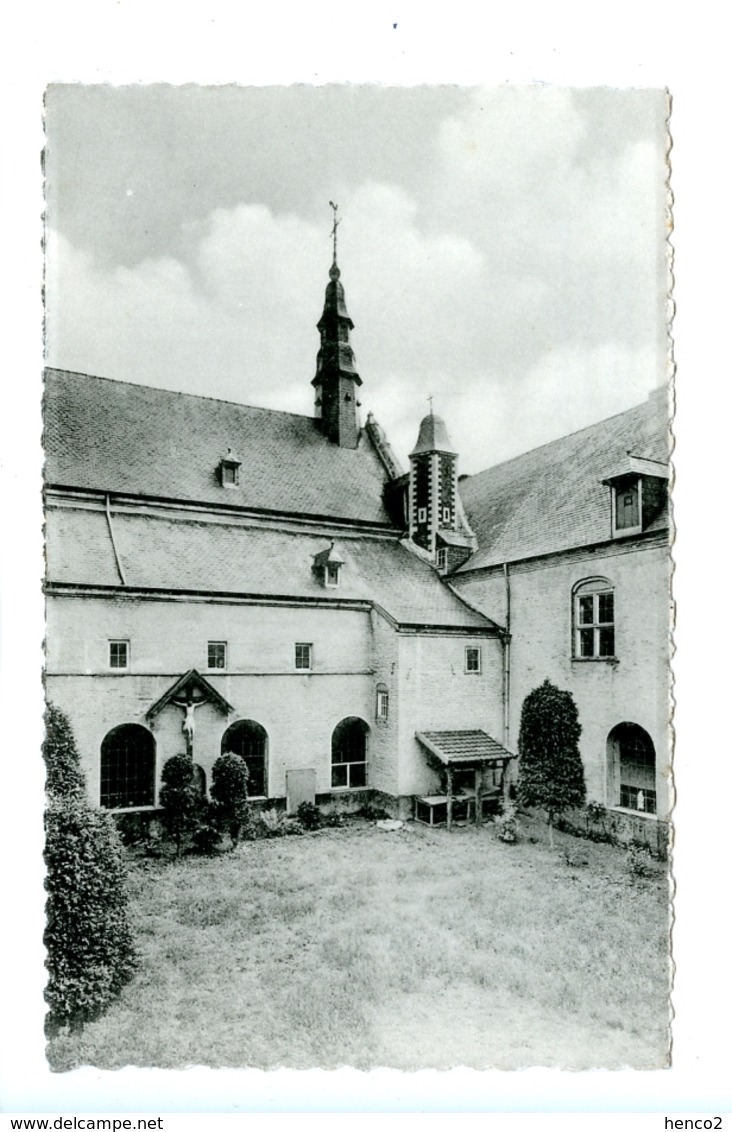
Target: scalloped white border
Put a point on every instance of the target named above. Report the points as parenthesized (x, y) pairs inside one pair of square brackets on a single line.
[(628, 44)]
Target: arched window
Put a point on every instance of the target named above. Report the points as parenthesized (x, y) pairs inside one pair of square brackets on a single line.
[(593, 618), (632, 763), (127, 768), (348, 753), (249, 740), (199, 779)]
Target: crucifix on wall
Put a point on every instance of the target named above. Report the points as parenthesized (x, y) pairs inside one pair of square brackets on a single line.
[(189, 706)]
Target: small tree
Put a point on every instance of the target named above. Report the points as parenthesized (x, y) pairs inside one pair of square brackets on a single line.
[(229, 777), (180, 798), (63, 774), (90, 952), (551, 775)]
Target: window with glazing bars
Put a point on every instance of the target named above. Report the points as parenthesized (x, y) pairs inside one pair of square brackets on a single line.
[(594, 621)]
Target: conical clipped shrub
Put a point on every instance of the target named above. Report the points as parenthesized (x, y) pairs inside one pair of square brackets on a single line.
[(90, 951), (63, 774), (180, 798), (551, 775), (229, 778)]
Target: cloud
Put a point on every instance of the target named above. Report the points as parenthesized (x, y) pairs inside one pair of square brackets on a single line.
[(237, 320), (570, 388), (520, 279)]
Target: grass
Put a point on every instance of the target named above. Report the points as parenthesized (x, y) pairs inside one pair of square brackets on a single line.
[(408, 949)]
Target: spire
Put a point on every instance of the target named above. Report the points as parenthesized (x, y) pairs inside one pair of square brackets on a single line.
[(336, 379), (432, 435), (434, 518)]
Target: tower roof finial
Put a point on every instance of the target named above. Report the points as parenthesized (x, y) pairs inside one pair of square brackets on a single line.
[(334, 271)]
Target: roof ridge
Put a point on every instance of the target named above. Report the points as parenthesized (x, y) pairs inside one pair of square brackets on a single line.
[(564, 436), (177, 392)]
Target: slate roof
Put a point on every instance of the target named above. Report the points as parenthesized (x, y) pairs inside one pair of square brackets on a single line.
[(463, 746), (553, 498), (214, 557), (112, 436)]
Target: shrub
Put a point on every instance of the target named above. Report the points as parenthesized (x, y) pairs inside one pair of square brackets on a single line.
[(90, 954), (372, 812), (229, 777), (639, 861), (309, 816), (599, 836), (90, 950), (507, 822), (180, 799), (63, 775), (551, 775), (596, 812), (137, 828), (275, 823), (207, 837)]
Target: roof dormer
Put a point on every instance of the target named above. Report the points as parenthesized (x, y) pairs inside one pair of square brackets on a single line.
[(327, 566), (638, 488), (228, 469)]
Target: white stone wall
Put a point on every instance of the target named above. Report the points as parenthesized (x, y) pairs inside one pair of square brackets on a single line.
[(353, 651), (635, 690), (298, 710), (436, 694)]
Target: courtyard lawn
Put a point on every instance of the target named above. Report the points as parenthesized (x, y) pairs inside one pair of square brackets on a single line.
[(415, 948)]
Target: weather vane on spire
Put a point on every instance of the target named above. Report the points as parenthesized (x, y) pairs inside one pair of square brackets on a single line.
[(334, 230)]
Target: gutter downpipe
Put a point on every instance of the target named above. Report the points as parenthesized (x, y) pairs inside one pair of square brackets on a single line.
[(117, 559), (507, 661)]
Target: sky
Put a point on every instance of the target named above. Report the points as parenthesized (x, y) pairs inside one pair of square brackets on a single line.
[(503, 250)]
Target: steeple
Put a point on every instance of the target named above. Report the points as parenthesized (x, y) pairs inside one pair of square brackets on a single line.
[(433, 437), (437, 522), (336, 379)]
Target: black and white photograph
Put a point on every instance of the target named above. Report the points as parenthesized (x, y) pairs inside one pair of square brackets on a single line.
[(357, 433)]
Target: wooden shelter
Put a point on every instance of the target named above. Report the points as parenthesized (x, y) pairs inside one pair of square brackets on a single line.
[(469, 759)]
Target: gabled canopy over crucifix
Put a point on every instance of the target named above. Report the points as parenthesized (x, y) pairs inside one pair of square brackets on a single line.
[(189, 693)]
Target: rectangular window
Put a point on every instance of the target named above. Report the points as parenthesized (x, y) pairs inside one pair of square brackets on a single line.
[(119, 654), (633, 798), (382, 704), (217, 654), (594, 625), (472, 659), (421, 514), (446, 514), (442, 558), (332, 574), (627, 507), (303, 657), (228, 474)]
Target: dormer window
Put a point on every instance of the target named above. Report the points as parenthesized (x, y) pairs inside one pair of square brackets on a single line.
[(229, 470), (638, 490), (327, 566), (332, 574), (627, 505)]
